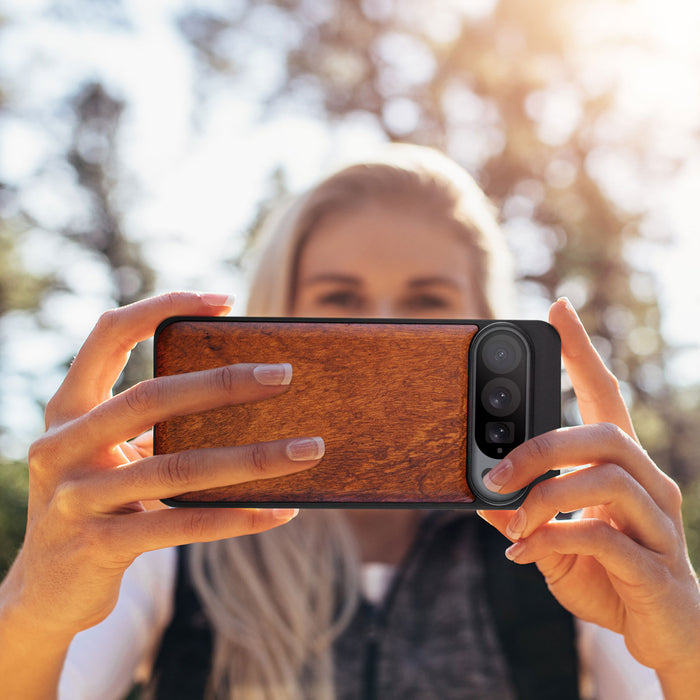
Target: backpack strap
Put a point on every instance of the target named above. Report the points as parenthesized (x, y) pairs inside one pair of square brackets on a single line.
[(536, 633), (183, 664)]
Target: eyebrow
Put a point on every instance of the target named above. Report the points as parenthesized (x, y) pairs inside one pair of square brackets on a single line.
[(417, 283), (332, 277), (432, 281)]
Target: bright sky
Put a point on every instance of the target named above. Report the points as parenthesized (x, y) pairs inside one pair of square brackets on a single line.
[(195, 189)]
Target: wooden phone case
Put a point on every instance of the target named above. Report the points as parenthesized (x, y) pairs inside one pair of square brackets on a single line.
[(388, 398)]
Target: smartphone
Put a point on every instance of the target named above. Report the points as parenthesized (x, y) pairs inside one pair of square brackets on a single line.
[(414, 413)]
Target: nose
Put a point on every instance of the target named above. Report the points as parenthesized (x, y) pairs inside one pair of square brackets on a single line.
[(384, 308)]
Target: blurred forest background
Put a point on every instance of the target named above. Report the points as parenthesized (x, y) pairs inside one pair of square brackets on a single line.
[(580, 119)]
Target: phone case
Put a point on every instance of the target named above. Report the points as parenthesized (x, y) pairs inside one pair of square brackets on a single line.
[(389, 398)]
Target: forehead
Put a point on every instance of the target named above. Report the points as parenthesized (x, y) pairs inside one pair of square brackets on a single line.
[(390, 236)]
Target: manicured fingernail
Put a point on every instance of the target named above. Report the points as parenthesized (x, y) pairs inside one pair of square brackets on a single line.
[(273, 375), (285, 514), (218, 299), (498, 477), (569, 306), (517, 525), (306, 449), (515, 550)]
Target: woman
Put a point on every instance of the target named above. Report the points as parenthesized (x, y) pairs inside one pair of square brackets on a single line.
[(412, 236)]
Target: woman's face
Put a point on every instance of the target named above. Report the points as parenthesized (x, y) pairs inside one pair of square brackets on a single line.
[(385, 261)]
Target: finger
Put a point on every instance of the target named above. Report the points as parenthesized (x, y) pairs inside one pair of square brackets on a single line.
[(606, 486), (131, 452), (102, 357), (614, 550), (143, 532), (596, 388), (579, 445), (497, 518), (143, 444), (138, 448), (166, 476), (155, 400)]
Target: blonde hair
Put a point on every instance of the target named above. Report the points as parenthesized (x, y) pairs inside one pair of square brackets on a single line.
[(277, 600), (404, 175)]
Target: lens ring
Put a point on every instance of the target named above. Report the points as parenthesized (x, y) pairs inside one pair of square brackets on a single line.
[(502, 353)]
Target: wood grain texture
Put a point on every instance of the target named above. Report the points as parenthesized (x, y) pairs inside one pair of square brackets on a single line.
[(389, 399)]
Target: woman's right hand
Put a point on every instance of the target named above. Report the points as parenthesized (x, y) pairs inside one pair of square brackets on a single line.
[(88, 516)]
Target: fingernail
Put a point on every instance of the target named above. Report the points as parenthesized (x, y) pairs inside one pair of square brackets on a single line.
[(517, 525), (218, 299), (306, 449), (498, 477), (569, 306), (285, 514), (273, 375), (515, 550)]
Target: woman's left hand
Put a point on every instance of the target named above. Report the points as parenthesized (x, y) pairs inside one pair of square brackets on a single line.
[(623, 564)]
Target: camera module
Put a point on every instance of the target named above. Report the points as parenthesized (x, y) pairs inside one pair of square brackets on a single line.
[(500, 378), (514, 368)]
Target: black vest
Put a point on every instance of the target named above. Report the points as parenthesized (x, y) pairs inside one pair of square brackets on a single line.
[(534, 634)]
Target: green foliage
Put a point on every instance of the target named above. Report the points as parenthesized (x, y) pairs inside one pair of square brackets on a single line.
[(691, 521), (18, 289), (14, 483)]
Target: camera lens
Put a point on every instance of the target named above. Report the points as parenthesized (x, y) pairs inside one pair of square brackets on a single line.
[(502, 353), (500, 396), (499, 432)]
